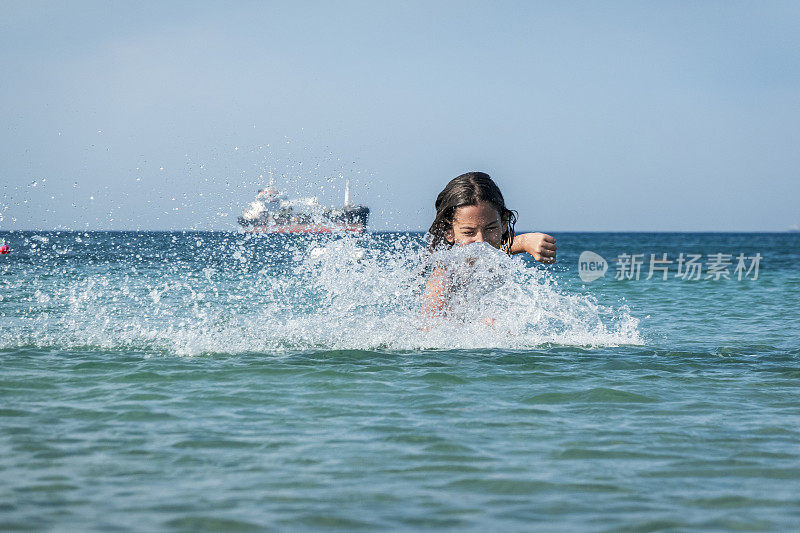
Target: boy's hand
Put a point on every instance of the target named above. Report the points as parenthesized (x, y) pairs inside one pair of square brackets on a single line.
[(540, 245)]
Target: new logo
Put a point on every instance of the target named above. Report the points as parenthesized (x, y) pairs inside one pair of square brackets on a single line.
[(591, 266)]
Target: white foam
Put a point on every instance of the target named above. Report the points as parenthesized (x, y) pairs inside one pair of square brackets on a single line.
[(344, 293)]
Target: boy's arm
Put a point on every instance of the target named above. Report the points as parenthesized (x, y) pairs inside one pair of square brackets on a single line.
[(434, 297), (540, 245)]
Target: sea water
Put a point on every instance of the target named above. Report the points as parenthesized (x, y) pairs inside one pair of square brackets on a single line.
[(215, 381)]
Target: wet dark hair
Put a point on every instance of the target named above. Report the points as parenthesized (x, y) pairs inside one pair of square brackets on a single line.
[(469, 189)]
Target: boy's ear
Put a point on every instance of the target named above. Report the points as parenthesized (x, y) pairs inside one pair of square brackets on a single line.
[(449, 235)]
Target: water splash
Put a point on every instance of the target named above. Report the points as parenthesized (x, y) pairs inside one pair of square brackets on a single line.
[(194, 293)]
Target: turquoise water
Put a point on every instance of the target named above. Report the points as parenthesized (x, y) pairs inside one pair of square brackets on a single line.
[(211, 381)]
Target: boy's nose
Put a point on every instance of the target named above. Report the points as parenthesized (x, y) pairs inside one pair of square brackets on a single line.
[(478, 237)]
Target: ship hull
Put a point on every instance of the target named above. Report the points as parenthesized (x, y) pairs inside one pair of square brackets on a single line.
[(303, 228), (351, 219)]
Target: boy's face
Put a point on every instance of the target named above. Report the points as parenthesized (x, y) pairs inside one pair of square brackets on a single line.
[(476, 223)]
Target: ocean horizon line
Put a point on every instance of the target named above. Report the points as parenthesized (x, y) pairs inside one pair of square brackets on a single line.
[(518, 232)]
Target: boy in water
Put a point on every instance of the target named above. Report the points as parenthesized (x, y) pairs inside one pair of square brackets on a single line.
[(471, 209)]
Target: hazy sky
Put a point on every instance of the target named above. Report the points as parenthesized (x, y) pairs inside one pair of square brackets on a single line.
[(589, 115)]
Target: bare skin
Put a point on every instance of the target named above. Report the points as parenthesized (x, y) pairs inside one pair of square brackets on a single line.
[(482, 223)]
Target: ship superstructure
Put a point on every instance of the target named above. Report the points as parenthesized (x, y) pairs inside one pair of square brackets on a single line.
[(273, 211)]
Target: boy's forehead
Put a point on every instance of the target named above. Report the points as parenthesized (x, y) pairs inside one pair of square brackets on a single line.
[(480, 214)]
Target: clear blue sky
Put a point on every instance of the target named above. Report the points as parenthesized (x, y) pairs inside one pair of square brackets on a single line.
[(590, 115)]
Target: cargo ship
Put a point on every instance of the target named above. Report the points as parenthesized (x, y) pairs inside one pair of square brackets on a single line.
[(273, 211)]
